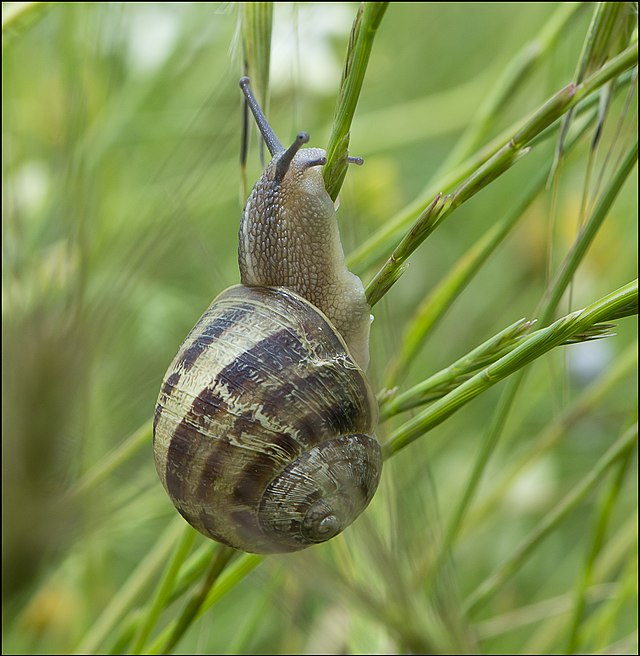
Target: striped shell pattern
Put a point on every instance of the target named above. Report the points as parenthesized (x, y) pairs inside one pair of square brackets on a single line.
[(264, 427)]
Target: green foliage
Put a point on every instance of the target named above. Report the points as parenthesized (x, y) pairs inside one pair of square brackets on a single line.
[(506, 518)]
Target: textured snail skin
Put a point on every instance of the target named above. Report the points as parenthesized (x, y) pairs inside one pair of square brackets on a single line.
[(264, 428), (289, 237)]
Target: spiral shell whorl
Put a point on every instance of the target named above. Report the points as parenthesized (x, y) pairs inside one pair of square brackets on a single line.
[(322, 491), (263, 433)]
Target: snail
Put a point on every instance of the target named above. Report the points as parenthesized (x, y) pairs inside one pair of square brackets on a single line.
[(264, 428)]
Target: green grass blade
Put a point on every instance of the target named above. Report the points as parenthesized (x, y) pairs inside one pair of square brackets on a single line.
[(587, 234), (606, 32), (190, 572), (506, 157), (390, 234), (514, 620), (256, 24), (462, 369), (551, 521), (190, 611), (228, 580), (512, 77), (445, 178), (126, 634), (555, 431), (596, 540), (601, 623), (164, 589), (111, 462), (549, 303), (256, 21), (537, 344), (363, 32), (255, 617), (193, 569), (611, 565), (442, 297), (493, 161), (138, 580)]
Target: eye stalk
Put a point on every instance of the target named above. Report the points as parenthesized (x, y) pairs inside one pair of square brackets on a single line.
[(287, 157), (320, 161), (273, 143)]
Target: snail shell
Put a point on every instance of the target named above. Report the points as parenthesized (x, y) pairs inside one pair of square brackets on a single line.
[(264, 425)]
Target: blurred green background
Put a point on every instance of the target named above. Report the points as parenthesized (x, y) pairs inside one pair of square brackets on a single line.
[(121, 201)]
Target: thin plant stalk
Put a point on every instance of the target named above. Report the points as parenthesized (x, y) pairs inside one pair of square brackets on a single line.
[(596, 540), (612, 561), (533, 613), (433, 308), (445, 293), (139, 580), (512, 77), (503, 159), (256, 24), (548, 307), (189, 573), (602, 620), (604, 32), (445, 380), (571, 262), (513, 563), (229, 578), (623, 300), (552, 433), (164, 589), (363, 32), (390, 234), (186, 619), (107, 465), (255, 617)]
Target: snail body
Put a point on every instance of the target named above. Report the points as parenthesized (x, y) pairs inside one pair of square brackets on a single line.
[(289, 237), (264, 429)]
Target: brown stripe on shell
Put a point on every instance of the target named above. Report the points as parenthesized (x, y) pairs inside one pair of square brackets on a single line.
[(216, 468), (169, 384), (182, 457), (278, 375), (326, 376), (249, 533), (274, 355), (310, 385), (184, 449), (207, 405), (190, 442), (156, 416), (321, 402), (263, 467), (209, 331), (291, 312), (243, 468), (242, 524), (342, 407), (233, 478), (167, 387)]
